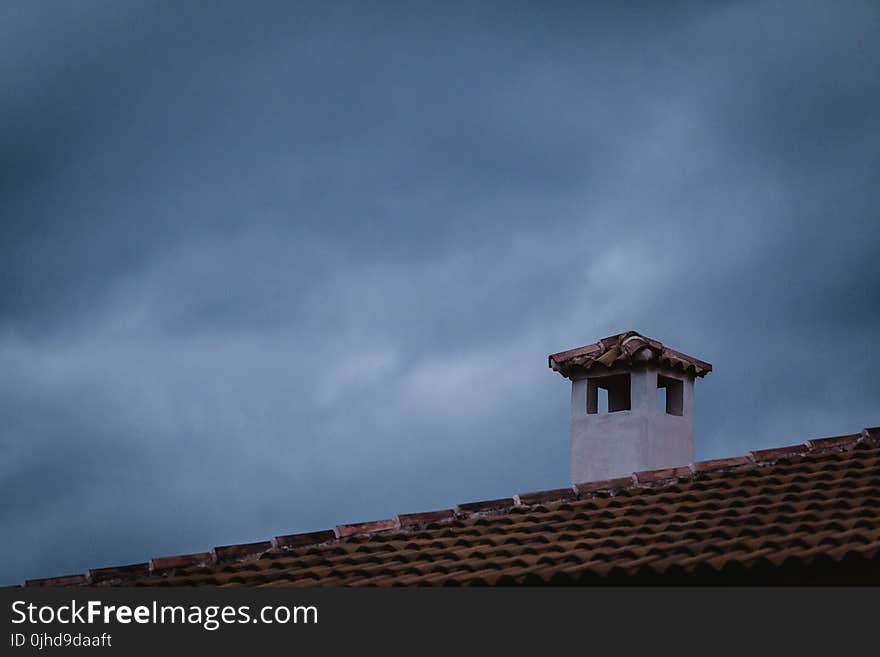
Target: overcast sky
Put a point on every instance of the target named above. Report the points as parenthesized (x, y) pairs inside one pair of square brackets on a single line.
[(274, 267)]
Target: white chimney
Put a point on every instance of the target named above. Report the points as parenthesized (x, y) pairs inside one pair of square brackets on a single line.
[(632, 406)]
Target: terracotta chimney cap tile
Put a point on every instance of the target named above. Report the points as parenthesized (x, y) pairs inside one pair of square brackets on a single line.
[(586, 350), (624, 348)]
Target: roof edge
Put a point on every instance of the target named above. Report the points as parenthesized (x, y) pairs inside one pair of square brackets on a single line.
[(164, 566)]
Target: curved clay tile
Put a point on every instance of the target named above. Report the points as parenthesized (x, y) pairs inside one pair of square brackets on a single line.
[(629, 348)]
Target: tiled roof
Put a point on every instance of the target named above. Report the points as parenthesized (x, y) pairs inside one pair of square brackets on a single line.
[(794, 511), (626, 348)]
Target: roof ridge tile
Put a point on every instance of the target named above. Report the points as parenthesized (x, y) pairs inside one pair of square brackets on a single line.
[(116, 573), (241, 551), (589, 488), (369, 527), (424, 518), (661, 475), (79, 579), (484, 506), (544, 496), (833, 442), (303, 539), (776, 453), (181, 561), (721, 464)]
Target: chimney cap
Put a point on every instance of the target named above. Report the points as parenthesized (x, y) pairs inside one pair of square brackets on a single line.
[(624, 349)]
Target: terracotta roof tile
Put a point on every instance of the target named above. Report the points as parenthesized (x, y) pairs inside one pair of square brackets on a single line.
[(588, 488), (415, 519), (768, 515), (721, 464), (832, 442), (777, 453), (626, 348), (540, 497), (64, 580), (484, 506), (181, 561), (241, 551), (306, 538), (118, 573), (370, 527), (651, 476)]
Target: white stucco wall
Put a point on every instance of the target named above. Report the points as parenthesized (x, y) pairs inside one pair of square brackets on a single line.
[(608, 445)]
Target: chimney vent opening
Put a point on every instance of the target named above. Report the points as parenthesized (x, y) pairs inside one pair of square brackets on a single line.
[(672, 392), (609, 394)]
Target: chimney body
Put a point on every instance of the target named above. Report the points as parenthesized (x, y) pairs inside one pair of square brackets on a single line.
[(648, 421)]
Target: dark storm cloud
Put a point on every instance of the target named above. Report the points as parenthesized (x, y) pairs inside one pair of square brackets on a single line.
[(268, 271)]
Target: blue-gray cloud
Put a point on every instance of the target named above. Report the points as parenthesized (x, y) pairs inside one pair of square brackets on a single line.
[(266, 271)]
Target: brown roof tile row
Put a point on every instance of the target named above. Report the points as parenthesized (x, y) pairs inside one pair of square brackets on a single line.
[(818, 498)]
